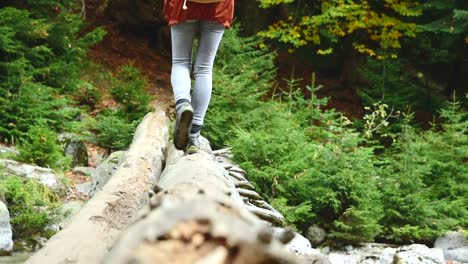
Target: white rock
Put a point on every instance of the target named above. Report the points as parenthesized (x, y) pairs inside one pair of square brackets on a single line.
[(341, 258), (418, 254), (43, 175), (7, 150), (458, 254), (6, 234), (451, 240), (454, 245), (325, 250), (349, 248), (299, 244)]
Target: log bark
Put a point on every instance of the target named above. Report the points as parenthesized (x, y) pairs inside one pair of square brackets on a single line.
[(94, 229), (197, 216)]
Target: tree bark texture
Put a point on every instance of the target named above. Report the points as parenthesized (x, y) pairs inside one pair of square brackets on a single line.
[(197, 216), (94, 229)]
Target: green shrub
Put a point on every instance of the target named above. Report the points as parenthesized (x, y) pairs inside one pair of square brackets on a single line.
[(327, 177), (41, 147), (423, 180), (111, 130), (32, 205), (243, 73), (39, 68), (392, 83), (129, 91), (314, 167), (114, 128), (32, 102), (307, 161)]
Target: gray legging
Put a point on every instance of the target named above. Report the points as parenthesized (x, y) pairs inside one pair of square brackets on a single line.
[(183, 36)]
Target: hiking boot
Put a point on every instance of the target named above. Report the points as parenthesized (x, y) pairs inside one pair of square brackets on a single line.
[(183, 125), (194, 143)]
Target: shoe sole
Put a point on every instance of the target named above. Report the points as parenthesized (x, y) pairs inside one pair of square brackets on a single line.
[(181, 133)]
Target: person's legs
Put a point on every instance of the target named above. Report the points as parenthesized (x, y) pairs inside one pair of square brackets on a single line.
[(211, 34), (182, 36)]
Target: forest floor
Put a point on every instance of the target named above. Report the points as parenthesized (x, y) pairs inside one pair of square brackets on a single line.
[(119, 48)]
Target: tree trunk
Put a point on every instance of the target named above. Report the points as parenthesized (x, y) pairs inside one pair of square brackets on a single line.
[(349, 67), (198, 216), (94, 229)]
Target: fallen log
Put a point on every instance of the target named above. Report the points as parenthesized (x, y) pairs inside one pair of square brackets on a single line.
[(197, 216), (94, 229)]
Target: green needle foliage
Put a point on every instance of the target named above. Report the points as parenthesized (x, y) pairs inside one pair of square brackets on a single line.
[(114, 128), (306, 160), (32, 205), (316, 168), (41, 55), (41, 147)]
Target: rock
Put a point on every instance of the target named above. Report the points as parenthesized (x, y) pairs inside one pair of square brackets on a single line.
[(337, 258), (451, 240), (43, 175), (454, 245), (87, 171), (73, 146), (316, 235), (367, 254), (6, 234), (358, 257), (8, 151), (317, 259), (39, 242), (325, 250), (84, 188), (418, 254), (299, 244), (458, 254), (101, 174)]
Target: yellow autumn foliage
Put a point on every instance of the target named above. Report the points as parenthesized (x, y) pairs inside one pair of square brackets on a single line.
[(376, 25)]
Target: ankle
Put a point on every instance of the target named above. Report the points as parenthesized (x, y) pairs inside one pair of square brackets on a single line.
[(195, 129), (180, 103)]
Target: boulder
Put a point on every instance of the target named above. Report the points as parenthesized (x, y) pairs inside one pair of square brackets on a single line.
[(6, 234), (454, 245), (368, 254), (43, 175), (451, 240), (315, 235), (8, 151), (100, 175), (298, 244), (457, 254), (75, 147), (418, 254)]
